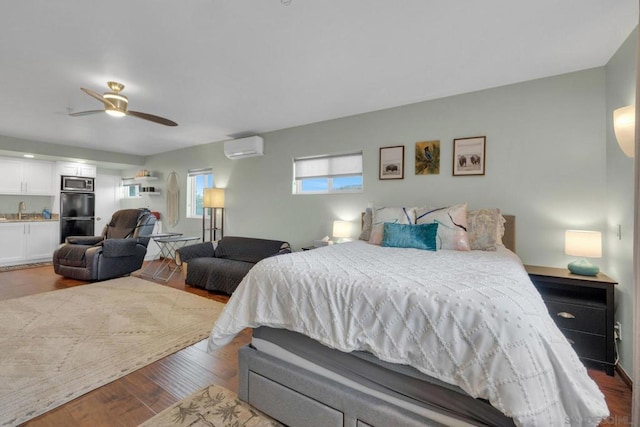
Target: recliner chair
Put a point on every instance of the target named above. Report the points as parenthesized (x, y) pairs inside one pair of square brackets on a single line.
[(119, 251)]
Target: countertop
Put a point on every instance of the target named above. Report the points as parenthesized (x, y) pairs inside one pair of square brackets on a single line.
[(5, 218)]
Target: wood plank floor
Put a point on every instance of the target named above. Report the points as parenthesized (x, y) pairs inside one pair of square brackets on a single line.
[(140, 395)]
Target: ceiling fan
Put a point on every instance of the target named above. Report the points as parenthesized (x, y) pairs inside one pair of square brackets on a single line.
[(115, 104)]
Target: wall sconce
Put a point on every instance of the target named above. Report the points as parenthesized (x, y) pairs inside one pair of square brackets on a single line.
[(213, 199), (583, 244), (342, 230), (624, 126)]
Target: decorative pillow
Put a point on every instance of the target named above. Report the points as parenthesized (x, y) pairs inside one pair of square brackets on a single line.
[(422, 236), (486, 228), (365, 234), (452, 225), (393, 215)]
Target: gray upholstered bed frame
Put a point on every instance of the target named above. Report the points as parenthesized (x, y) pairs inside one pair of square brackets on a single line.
[(298, 397)]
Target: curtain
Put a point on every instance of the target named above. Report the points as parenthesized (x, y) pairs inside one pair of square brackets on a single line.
[(636, 258)]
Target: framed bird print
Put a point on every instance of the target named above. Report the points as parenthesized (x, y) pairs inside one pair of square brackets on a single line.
[(469, 156), (391, 162), (427, 158)]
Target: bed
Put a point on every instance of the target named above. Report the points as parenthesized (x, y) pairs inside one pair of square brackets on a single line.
[(357, 334)]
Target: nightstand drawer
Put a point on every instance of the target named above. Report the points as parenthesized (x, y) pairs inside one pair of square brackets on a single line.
[(588, 346), (578, 317)]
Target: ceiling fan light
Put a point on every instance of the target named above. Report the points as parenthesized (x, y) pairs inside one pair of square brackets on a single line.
[(114, 113), (115, 96), (117, 105)]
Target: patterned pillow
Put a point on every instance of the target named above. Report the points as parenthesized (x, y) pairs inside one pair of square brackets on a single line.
[(394, 215), (365, 234), (486, 228), (421, 236), (452, 225)]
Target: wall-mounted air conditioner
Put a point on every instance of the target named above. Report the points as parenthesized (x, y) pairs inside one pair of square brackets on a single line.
[(244, 147)]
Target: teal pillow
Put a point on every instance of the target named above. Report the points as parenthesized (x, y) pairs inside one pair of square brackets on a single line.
[(419, 236)]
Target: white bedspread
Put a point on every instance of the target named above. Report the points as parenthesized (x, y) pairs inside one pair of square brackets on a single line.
[(472, 319)]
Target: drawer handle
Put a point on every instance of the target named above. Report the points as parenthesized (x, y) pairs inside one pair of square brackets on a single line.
[(566, 315)]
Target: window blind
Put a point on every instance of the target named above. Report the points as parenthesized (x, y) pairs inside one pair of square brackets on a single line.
[(196, 172), (328, 166)]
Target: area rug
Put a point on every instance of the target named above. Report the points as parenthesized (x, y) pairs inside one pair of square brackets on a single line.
[(212, 406), (58, 345), (25, 266)]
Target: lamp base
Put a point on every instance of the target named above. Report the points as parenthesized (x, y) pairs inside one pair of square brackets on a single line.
[(583, 268)]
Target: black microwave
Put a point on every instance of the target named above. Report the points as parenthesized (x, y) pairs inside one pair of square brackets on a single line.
[(77, 183)]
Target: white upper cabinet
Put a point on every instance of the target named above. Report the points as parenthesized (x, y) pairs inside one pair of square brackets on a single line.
[(77, 169), (39, 178), (34, 177), (11, 182)]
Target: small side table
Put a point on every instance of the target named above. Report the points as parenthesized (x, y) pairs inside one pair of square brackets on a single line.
[(582, 307), (146, 270), (168, 247)]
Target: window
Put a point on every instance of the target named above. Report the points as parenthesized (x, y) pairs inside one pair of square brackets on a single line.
[(340, 173), (197, 181), (131, 190)]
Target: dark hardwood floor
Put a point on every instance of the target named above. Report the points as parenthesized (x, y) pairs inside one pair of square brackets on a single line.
[(140, 395)]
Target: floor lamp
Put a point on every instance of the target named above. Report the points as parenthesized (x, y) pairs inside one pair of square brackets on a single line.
[(213, 200)]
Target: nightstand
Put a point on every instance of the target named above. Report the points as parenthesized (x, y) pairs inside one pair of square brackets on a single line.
[(582, 307)]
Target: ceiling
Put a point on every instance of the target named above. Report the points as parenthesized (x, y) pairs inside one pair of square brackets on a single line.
[(223, 69)]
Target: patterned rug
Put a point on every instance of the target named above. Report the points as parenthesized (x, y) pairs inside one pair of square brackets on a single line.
[(59, 345), (212, 406), (24, 266)]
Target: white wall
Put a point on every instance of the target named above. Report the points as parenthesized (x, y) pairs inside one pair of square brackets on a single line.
[(620, 90), (34, 204), (545, 163)]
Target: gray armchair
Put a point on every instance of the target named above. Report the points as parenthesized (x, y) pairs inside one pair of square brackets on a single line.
[(119, 251)]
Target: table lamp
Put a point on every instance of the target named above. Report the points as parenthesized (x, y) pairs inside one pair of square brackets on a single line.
[(342, 230), (213, 199), (583, 243)]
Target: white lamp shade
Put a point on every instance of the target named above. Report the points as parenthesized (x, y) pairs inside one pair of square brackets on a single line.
[(624, 126), (341, 229), (583, 243), (213, 198)]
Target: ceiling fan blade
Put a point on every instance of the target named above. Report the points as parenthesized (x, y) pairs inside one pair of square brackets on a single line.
[(85, 113), (151, 117), (97, 96)]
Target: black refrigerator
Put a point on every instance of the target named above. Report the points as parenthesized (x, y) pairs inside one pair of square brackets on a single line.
[(77, 214)]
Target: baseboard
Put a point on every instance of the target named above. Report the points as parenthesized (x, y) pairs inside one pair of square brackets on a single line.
[(624, 376)]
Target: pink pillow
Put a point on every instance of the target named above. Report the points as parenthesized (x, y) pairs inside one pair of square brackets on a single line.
[(452, 225)]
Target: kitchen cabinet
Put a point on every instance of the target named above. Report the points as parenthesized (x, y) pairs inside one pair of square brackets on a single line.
[(41, 240), (29, 177), (12, 248), (27, 241), (77, 169)]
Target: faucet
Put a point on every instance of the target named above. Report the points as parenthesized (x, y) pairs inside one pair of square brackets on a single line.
[(21, 208)]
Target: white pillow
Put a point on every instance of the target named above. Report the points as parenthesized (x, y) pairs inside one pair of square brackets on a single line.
[(393, 215), (452, 225), (486, 228), (367, 221)]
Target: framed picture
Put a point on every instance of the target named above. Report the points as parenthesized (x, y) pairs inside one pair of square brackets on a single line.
[(469, 156), (392, 162), (427, 155)]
